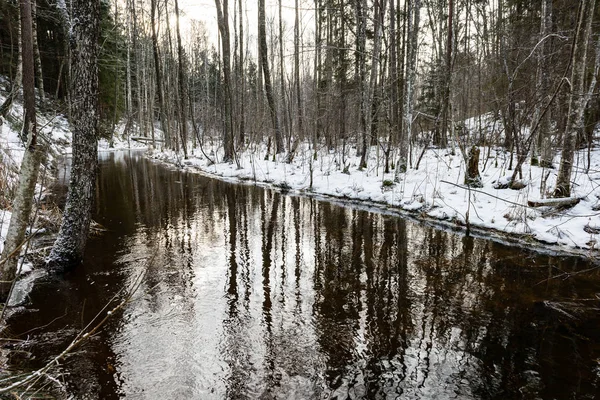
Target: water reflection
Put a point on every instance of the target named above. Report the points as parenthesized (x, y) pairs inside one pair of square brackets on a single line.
[(252, 294)]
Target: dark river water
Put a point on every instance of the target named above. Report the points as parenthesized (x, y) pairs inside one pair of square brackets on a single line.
[(249, 293)]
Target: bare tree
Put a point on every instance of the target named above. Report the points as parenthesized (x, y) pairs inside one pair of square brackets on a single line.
[(413, 18), (183, 131), (264, 62), (577, 99), (542, 146), (223, 21), (162, 115), (28, 176)]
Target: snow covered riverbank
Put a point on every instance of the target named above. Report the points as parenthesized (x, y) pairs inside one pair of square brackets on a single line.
[(433, 192)]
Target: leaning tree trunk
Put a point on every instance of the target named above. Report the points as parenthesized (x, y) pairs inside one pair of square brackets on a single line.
[(577, 101), (69, 245), (23, 201)]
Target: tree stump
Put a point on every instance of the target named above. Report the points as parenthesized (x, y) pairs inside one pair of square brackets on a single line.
[(472, 177)]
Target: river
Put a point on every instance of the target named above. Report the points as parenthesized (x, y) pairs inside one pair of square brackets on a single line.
[(250, 293)]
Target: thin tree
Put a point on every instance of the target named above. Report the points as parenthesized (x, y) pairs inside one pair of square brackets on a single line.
[(577, 100), (182, 85), (264, 61), (241, 77), (223, 21), (70, 244), (36, 51), (18, 79), (158, 73), (379, 17), (298, 93), (542, 150), (413, 13), (28, 176)]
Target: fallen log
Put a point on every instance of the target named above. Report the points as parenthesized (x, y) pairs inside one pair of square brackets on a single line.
[(559, 202)]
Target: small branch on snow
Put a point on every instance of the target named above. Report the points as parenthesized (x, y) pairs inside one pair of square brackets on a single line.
[(558, 202)]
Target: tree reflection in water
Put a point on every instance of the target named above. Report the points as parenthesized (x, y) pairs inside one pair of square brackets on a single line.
[(255, 294)]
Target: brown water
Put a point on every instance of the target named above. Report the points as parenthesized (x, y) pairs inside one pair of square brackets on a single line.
[(250, 293)]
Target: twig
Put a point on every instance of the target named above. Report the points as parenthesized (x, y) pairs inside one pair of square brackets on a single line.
[(79, 339), (488, 194)]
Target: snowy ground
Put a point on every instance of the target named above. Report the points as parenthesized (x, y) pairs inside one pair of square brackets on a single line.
[(53, 129), (434, 191)]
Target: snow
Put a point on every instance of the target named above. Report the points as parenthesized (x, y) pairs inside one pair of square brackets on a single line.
[(4, 221), (435, 192), (53, 128)]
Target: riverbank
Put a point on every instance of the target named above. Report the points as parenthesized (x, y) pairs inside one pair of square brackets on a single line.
[(434, 192)]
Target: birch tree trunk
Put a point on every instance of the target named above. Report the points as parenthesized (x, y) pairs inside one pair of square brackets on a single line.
[(413, 19), (23, 201), (379, 17), (69, 246), (36, 52), (577, 100)]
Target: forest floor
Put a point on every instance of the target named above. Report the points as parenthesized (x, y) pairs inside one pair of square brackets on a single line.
[(434, 192)]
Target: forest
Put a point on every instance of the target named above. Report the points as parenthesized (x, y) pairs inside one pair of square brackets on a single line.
[(425, 105), (358, 135), (399, 75), (376, 88)]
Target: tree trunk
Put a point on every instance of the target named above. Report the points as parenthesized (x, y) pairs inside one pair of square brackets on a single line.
[(157, 70), (577, 101), (264, 61), (472, 177), (411, 65), (542, 146), (445, 119), (297, 91), (242, 78), (70, 244), (182, 86), (23, 201), (361, 71), (36, 52), (223, 21), (379, 20), (393, 67)]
